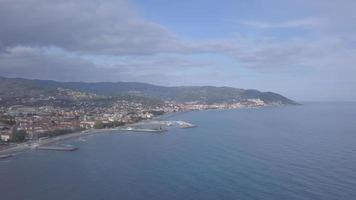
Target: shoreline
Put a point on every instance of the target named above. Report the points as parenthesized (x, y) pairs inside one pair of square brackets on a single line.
[(19, 148), (22, 147)]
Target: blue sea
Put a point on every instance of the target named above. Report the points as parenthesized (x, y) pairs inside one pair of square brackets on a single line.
[(303, 152)]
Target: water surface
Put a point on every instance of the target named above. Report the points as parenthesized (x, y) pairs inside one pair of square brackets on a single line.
[(297, 152)]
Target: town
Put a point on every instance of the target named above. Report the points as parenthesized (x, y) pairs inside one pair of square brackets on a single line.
[(19, 123)]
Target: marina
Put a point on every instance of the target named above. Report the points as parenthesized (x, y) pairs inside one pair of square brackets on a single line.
[(168, 123), (152, 126), (156, 126)]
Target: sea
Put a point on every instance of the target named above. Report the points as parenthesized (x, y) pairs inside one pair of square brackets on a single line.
[(305, 152)]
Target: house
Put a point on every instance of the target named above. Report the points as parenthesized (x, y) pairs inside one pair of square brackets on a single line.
[(87, 124), (5, 137), (6, 132)]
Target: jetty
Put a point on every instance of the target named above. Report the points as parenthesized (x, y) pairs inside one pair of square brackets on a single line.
[(57, 148), (159, 126), (6, 156), (144, 130), (183, 124)]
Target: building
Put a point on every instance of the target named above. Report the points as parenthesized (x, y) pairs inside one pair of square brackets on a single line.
[(5, 137), (87, 124)]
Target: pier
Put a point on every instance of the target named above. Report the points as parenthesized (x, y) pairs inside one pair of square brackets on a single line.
[(156, 126), (183, 124), (6, 156), (57, 148), (144, 130)]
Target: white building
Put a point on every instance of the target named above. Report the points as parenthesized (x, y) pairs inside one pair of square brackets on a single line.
[(87, 124), (5, 137)]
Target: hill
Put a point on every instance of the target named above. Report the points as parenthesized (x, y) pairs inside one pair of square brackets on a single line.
[(20, 88)]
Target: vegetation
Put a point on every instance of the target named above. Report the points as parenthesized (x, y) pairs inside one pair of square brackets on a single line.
[(101, 125), (105, 93), (8, 120), (19, 136), (59, 132), (158, 112)]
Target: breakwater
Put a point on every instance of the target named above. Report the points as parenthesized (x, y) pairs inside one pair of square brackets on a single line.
[(6, 156), (57, 148), (144, 130)]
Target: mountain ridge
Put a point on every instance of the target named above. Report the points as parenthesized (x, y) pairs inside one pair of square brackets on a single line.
[(203, 94)]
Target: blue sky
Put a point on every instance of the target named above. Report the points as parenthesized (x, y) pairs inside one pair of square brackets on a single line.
[(305, 50)]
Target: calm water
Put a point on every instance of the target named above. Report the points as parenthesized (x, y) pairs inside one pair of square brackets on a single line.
[(300, 152)]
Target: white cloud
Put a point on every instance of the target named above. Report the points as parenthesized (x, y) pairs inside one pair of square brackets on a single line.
[(44, 63), (323, 45), (312, 22), (83, 26)]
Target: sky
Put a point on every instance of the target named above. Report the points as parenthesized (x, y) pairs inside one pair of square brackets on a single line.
[(305, 49)]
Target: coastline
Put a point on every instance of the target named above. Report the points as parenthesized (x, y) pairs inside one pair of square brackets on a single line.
[(19, 148)]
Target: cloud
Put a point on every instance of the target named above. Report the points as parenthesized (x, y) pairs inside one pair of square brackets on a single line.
[(83, 26), (35, 63), (298, 23), (98, 27), (89, 27), (43, 63), (97, 40), (327, 54)]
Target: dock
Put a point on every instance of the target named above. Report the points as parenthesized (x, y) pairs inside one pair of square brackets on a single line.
[(156, 126), (6, 156), (57, 148), (144, 130), (183, 124)]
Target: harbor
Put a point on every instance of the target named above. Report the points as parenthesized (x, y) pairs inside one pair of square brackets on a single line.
[(151, 126), (156, 126)]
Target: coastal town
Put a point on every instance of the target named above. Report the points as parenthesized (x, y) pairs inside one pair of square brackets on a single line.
[(31, 110), (19, 123)]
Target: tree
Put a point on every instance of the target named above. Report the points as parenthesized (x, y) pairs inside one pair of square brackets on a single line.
[(19, 136), (99, 125), (7, 120)]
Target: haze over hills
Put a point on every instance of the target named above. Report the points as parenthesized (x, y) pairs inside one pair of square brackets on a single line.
[(19, 87)]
